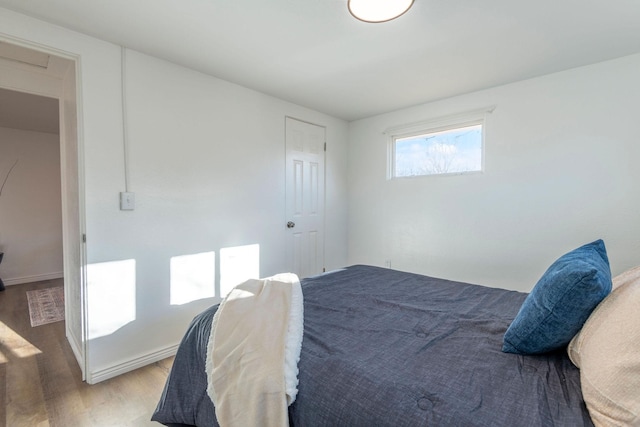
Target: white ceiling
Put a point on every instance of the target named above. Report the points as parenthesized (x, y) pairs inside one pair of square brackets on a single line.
[(19, 110), (313, 53), (25, 111)]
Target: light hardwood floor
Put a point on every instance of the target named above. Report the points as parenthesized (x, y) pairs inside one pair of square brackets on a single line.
[(40, 381)]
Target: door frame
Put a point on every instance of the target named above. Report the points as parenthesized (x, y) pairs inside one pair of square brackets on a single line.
[(70, 228)]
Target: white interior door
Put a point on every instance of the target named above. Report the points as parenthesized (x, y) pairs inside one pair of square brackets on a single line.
[(305, 148), (72, 224)]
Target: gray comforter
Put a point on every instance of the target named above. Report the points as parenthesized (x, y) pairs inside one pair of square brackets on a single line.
[(388, 348)]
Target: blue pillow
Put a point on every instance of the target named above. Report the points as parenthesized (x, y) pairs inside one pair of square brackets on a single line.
[(561, 301)]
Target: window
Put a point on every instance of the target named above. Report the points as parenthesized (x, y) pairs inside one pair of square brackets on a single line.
[(452, 145)]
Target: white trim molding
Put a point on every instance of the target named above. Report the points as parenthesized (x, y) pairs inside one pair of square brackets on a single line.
[(34, 278), (437, 122), (94, 377)]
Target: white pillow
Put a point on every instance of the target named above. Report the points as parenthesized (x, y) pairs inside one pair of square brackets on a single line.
[(607, 351), (626, 277)]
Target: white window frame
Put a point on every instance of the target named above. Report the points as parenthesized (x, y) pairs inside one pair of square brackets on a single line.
[(441, 124)]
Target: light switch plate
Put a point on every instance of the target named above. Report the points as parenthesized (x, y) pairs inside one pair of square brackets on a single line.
[(127, 201)]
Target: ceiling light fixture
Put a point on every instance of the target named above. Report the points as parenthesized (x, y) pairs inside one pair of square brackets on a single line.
[(378, 10)]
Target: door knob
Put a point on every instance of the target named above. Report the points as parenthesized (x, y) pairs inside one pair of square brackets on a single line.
[(291, 224)]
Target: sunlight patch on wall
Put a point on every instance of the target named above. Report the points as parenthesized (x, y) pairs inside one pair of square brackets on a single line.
[(15, 344), (237, 264), (111, 291), (193, 277)]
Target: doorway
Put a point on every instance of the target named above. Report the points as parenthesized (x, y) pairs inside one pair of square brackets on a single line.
[(30, 197), (34, 70)]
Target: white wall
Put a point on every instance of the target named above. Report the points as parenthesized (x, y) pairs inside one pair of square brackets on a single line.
[(206, 162), (560, 170), (30, 211)]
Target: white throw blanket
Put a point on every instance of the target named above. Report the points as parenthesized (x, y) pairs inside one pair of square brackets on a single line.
[(253, 352)]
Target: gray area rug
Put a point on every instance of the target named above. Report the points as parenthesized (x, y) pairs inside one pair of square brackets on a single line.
[(46, 305)]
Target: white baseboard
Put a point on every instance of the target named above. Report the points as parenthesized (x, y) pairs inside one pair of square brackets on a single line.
[(95, 377), (31, 279)]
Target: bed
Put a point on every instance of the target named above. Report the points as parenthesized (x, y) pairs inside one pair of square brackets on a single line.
[(382, 347)]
